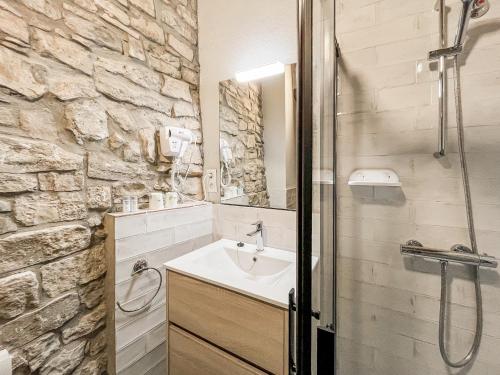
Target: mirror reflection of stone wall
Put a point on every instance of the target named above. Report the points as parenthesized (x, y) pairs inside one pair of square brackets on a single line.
[(242, 129), (258, 141)]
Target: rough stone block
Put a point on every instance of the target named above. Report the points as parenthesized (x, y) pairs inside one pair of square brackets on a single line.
[(98, 343), (121, 116), (29, 248), (122, 189), (53, 181), (184, 49), (146, 5), (94, 220), (49, 8), (92, 366), (17, 183), (21, 75), (63, 275), (116, 141), (99, 197), (171, 18), (7, 225), (132, 152), (176, 89), (183, 109), (22, 156), (5, 206), (17, 293), (110, 169), (65, 360), (87, 4), (121, 89), (188, 15), (85, 324), (87, 120), (147, 27), (229, 127), (38, 351), (15, 26), (148, 143), (114, 11), (135, 72), (190, 76), (68, 85), (38, 123), (64, 50), (136, 49), (9, 116), (92, 294), (94, 30), (49, 208), (146, 118), (29, 326)]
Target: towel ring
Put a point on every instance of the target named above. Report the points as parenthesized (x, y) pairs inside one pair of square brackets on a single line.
[(139, 267)]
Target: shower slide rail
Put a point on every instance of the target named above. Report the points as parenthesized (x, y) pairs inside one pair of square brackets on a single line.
[(458, 255)]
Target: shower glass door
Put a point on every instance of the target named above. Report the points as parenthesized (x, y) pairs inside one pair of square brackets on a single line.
[(316, 296), (389, 107), (391, 308)]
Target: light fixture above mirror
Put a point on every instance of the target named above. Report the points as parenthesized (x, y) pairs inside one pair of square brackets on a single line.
[(260, 73)]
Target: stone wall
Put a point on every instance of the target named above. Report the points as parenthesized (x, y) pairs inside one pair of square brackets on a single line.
[(242, 126), (84, 86)]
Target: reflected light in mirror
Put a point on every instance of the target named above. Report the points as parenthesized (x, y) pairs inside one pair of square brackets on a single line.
[(262, 72)]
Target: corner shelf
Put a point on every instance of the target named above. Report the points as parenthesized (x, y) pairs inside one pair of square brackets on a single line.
[(374, 177)]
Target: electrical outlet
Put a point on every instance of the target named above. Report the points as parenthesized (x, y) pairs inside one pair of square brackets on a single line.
[(212, 181)]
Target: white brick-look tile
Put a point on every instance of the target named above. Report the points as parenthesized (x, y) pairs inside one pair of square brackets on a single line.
[(387, 118), (156, 236), (234, 222)]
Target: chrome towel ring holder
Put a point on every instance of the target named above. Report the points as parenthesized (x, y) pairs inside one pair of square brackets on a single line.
[(139, 268)]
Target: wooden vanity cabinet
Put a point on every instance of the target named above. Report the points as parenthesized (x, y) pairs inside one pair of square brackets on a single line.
[(227, 328)]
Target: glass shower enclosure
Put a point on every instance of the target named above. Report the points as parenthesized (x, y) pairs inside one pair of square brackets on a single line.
[(399, 188)]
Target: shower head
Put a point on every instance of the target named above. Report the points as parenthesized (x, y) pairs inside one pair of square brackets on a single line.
[(481, 7), (470, 9)]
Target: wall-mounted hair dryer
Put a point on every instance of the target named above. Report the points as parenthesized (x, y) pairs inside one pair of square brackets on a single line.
[(226, 153), (175, 141), (226, 156)]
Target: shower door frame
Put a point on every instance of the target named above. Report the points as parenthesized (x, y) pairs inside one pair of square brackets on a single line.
[(304, 186), (305, 146)]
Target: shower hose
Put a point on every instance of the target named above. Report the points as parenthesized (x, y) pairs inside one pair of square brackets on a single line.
[(472, 236)]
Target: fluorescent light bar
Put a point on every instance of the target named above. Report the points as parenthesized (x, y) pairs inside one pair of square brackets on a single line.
[(259, 73)]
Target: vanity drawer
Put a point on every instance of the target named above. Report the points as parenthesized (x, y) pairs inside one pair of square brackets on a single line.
[(188, 355), (250, 329)]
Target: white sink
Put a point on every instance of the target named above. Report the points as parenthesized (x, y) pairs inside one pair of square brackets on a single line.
[(267, 275)]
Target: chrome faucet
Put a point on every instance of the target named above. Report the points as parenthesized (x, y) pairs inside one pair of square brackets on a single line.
[(258, 233)]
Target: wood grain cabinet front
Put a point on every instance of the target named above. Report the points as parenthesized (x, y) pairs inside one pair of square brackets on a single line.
[(189, 355), (242, 326)]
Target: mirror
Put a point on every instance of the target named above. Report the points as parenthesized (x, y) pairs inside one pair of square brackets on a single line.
[(257, 137)]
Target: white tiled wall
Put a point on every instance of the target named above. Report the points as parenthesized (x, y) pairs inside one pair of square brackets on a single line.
[(157, 236), (234, 222), (389, 308)]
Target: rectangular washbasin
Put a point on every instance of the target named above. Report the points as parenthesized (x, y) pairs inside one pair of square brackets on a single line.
[(267, 275)]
